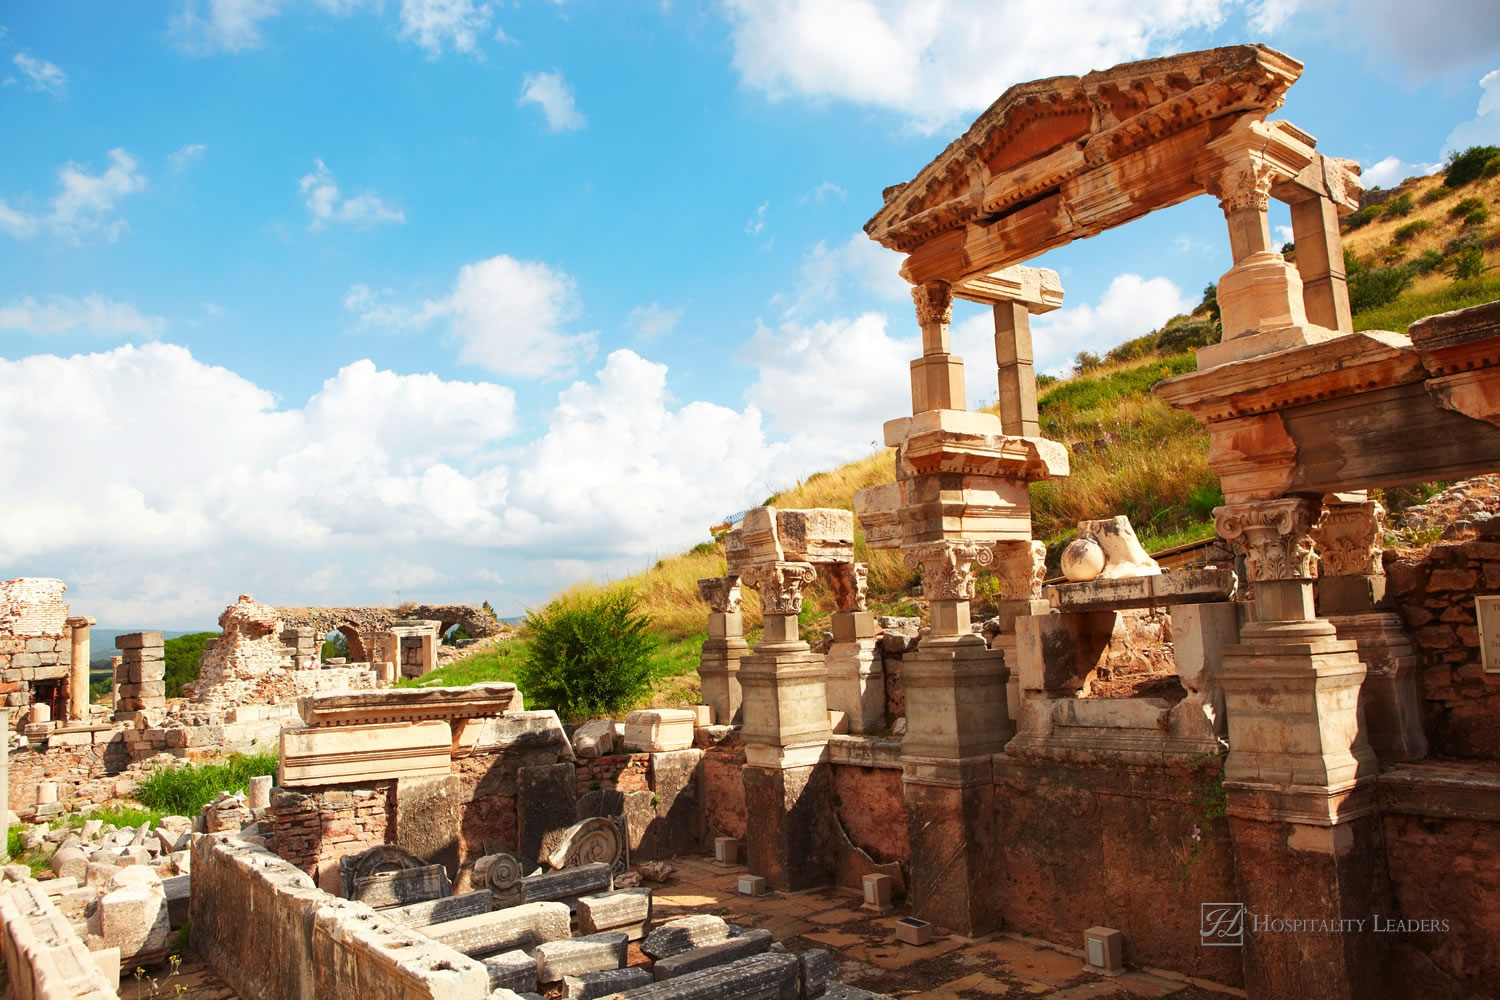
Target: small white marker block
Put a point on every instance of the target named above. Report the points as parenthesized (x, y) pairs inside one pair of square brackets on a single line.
[(913, 931), (1103, 948), (705, 714), (728, 850), (877, 893), (752, 885)]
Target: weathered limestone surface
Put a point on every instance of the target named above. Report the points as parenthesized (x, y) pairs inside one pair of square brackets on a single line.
[(544, 806), (656, 729), (44, 958), (328, 756), (760, 977), (524, 926), (612, 910), (684, 934), (576, 956), (567, 884), (409, 704), (435, 911), (752, 942), (1183, 586), (604, 984), (512, 970)]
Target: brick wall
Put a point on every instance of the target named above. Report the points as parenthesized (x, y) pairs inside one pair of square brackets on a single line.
[(30, 606), (618, 772), (1434, 594), (312, 830)]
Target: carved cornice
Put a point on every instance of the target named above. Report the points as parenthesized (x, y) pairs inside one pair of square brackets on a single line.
[(849, 583), (780, 585), (1020, 568), (948, 566), (722, 593), (1275, 536), (934, 300), (1349, 539)]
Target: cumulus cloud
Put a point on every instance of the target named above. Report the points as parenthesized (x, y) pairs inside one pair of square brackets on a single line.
[(858, 266), (186, 156), (551, 93), (931, 60), (221, 25), (509, 316), (1393, 170), (433, 23), (41, 75), (92, 314), (1448, 35), (17, 223), (652, 321), (327, 204), (1484, 128), (84, 207)]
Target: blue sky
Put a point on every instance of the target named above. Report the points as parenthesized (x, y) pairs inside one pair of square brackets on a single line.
[(335, 301)]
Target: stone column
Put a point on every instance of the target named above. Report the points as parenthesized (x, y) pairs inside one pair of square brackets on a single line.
[(719, 665), (855, 672), (78, 685), (956, 720), (1016, 293), (789, 826), (1351, 594), (140, 677), (1320, 262), (1300, 773), (937, 377), (1020, 567)]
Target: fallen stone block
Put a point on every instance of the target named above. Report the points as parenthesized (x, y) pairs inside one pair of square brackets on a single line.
[(523, 926), (137, 922), (627, 910), (684, 934), (657, 729), (697, 959), (511, 970), (436, 911), (70, 862), (568, 884), (178, 890), (385, 890), (839, 991), (819, 970), (595, 738), (575, 956), (610, 982), (760, 977)]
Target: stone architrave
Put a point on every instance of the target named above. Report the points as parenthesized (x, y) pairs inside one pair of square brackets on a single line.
[(344, 754), (725, 647)]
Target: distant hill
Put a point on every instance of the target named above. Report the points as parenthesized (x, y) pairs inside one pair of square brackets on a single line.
[(102, 642)]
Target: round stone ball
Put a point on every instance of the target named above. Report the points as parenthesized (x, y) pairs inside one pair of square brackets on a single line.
[(1083, 559)]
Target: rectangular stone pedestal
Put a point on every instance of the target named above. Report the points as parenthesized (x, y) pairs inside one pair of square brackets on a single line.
[(950, 809), (785, 700), (718, 670), (856, 684), (790, 837), (955, 699)]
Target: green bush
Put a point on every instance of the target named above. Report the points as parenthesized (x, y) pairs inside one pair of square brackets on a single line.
[(1428, 261), (1464, 207), (1491, 168), (1478, 217), (1398, 208), (335, 648), (590, 654), (1411, 230), (1436, 194), (183, 789), (1468, 166), (182, 654), (1363, 217), (1466, 264), (1370, 287)]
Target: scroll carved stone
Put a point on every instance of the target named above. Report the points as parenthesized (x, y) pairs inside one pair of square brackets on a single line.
[(503, 872), (849, 583), (1020, 568), (934, 302), (948, 566), (1349, 537), (780, 585), (722, 593), (596, 839), (1243, 185), (1275, 536)]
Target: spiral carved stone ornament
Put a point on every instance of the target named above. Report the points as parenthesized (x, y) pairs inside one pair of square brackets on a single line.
[(593, 840), (503, 873)]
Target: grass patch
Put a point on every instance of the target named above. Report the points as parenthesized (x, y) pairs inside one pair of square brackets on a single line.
[(15, 846), (1413, 306), (184, 789), (497, 663), (123, 816)]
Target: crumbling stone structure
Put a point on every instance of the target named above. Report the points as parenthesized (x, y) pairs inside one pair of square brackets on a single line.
[(44, 651)]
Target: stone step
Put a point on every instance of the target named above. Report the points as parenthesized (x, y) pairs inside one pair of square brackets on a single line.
[(575, 956)]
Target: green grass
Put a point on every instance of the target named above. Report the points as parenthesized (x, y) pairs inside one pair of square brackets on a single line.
[(498, 663), (183, 789), (122, 816), (675, 657), (15, 847), (1413, 306)]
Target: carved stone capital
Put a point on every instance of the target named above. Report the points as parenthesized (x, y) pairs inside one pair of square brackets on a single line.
[(1275, 536), (1349, 539), (1244, 184), (849, 583), (948, 566), (722, 593), (780, 585), (1020, 568), (934, 301)]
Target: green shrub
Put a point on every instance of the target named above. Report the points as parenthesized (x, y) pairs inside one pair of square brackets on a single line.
[(335, 648), (1363, 217), (456, 635), (1210, 302), (1411, 230), (1391, 254), (1491, 168), (183, 789), (1086, 361), (1478, 217), (1464, 207), (1468, 166), (182, 654), (1436, 194), (590, 654), (1370, 287), (1466, 264), (1398, 208), (1428, 261)]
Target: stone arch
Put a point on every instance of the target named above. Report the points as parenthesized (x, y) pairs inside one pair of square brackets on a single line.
[(358, 650)]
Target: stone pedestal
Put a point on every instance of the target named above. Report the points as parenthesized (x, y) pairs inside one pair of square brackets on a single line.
[(856, 683), (785, 702), (1391, 698), (78, 684), (955, 699), (950, 810), (719, 666), (790, 833)]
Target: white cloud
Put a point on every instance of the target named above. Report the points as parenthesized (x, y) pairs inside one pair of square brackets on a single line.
[(510, 316), (1131, 306), (1484, 128), (186, 156), (932, 60), (1393, 170), (431, 23), (551, 93), (823, 191), (757, 222), (93, 313), (16, 222), (85, 207), (221, 25), (325, 202), (859, 265), (1269, 15), (42, 75), (651, 321)]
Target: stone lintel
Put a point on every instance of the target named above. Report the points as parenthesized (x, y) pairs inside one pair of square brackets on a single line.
[(1183, 586), (865, 751), (408, 704)]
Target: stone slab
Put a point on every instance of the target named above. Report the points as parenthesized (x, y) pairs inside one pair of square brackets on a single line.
[(408, 704), (579, 955), (751, 942), (385, 890), (608, 983), (311, 757), (819, 970), (657, 729), (523, 926), (769, 976), (1182, 586), (545, 806), (511, 970), (614, 910), (568, 884), (684, 934), (436, 911)]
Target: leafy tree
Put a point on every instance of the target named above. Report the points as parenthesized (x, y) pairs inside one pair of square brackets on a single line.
[(1210, 301), (485, 607), (455, 635), (336, 647), (1086, 361), (589, 654), (1370, 287), (182, 654), (1468, 166)]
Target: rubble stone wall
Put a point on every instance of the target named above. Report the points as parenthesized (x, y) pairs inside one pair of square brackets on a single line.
[(36, 643), (33, 607), (313, 830), (1435, 597)]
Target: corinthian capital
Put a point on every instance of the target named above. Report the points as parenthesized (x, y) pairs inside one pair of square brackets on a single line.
[(1243, 184), (1275, 536), (780, 585), (934, 301), (849, 583), (722, 593), (1020, 568), (947, 566), (1349, 537)]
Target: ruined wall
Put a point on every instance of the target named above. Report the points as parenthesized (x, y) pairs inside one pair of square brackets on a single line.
[(1434, 595), (723, 790), (368, 621), (313, 830), (35, 641), (868, 802)]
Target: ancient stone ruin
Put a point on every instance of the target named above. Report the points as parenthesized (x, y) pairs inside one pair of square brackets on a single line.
[(1152, 765)]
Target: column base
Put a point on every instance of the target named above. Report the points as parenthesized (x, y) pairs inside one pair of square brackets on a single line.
[(790, 837), (955, 699), (1390, 697), (950, 809)]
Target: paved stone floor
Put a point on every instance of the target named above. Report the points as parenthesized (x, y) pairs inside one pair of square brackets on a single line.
[(871, 958)]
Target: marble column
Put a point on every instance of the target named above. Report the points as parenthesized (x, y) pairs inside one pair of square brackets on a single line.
[(855, 672), (1300, 774), (719, 664), (78, 684), (937, 377)]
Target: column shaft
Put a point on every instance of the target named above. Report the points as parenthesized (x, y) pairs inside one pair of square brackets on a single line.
[(1320, 259), (1017, 378)]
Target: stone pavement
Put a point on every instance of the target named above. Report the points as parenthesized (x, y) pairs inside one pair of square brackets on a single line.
[(870, 957)]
